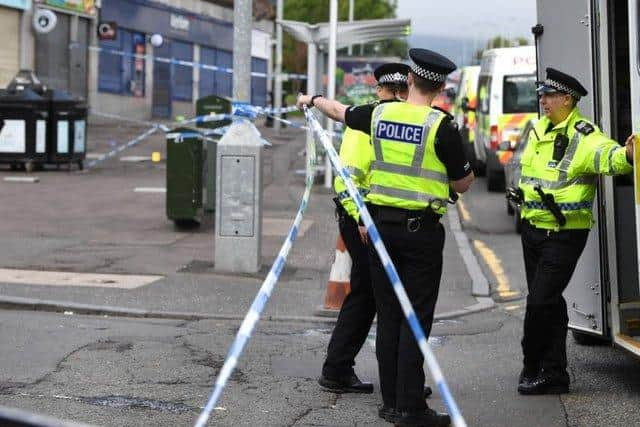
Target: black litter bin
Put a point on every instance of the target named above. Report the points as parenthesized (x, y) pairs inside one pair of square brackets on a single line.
[(23, 136), (67, 128)]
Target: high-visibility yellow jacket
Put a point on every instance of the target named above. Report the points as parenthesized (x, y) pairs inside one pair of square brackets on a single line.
[(356, 155), (406, 172), (572, 178)]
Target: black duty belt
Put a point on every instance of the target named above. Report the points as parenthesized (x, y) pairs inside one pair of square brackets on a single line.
[(414, 219)]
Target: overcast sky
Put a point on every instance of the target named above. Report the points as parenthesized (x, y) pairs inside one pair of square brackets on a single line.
[(466, 18)]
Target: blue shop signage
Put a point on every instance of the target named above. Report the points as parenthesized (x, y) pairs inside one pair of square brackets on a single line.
[(150, 17)]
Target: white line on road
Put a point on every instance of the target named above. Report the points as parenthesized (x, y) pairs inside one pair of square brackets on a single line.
[(150, 190), (480, 284), (27, 179)]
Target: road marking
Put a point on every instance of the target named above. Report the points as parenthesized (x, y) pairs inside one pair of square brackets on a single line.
[(27, 179), (512, 307), (479, 285), (466, 216), (135, 159), (495, 265), (87, 280), (150, 190)]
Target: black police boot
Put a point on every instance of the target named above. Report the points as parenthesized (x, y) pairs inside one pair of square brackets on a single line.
[(546, 383), (426, 418), (388, 414), (427, 392), (528, 374), (349, 384)]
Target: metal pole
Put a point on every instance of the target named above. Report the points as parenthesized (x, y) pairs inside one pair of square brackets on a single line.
[(331, 84), (277, 93), (312, 64), (242, 23), (350, 48)]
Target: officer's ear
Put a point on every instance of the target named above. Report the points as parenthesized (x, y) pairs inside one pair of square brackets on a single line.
[(410, 79), (568, 101)]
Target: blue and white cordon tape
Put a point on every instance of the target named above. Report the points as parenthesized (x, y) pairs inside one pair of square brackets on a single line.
[(391, 271), (261, 299), (187, 63), (123, 147)]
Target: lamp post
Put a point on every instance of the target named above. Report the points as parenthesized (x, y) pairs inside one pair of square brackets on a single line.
[(331, 84), (277, 93)]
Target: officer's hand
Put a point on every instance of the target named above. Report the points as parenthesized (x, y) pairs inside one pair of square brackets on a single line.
[(364, 237), (302, 100), (629, 143)]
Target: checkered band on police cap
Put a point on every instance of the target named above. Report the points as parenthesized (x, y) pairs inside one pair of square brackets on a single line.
[(393, 78), (427, 74), (562, 88)]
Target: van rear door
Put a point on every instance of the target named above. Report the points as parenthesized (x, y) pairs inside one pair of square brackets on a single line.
[(572, 24)]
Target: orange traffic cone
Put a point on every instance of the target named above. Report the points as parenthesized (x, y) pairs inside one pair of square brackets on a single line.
[(338, 286)]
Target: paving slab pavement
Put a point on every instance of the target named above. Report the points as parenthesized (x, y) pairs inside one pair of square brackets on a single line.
[(96, 222)]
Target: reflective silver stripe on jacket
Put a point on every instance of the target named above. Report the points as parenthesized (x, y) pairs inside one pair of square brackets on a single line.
[(555, 185), (563, 167), (411, 171), (377, 147), (596, 159), (358, 173), (430, 120), (404, 194)]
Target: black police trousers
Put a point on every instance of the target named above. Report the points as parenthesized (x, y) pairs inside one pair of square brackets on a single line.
[(417, 257), (358, 308), (550, 259)]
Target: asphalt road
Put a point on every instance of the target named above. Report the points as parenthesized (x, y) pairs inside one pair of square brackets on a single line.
[(144, 372), (605, 387)]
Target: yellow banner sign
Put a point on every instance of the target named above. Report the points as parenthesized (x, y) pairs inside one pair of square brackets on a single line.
[(86, 7)]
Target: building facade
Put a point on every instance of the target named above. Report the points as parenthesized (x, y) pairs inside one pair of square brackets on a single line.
[(11, 16), (125, 74)]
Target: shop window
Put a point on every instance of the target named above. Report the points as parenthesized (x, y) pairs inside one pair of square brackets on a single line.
[(215, 82), (259, 84), (182, 74), (119, 71)]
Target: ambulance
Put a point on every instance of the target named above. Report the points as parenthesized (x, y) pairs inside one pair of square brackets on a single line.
[(464, 105), (506, 101), (598, 42)]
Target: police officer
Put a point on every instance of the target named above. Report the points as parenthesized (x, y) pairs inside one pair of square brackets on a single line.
[(418, 155), (564, 154), (358, 308)]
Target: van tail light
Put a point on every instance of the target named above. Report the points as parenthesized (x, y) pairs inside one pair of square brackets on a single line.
[(465, 120), (494, 139)]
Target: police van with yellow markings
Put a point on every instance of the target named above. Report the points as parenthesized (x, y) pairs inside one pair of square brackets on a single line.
[(506, 101)]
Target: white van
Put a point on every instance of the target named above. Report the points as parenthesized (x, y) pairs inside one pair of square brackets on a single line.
[(506, 101)]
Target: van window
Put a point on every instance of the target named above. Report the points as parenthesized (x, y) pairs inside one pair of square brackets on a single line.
[(484, 94), (519, 94)]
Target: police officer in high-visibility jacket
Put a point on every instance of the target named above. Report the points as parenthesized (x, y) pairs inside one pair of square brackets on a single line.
[(418, 156), (358, 308), (564, 154)]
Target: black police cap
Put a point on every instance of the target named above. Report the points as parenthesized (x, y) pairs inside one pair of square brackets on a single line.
[(431, 65), (392, 72), (557, 81)]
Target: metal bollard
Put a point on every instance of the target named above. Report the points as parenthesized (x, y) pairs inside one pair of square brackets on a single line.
[(239, 199)]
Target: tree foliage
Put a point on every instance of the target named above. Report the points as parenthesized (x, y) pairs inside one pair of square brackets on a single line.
[(500, 41), (295, 53)]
